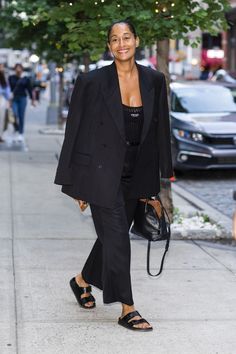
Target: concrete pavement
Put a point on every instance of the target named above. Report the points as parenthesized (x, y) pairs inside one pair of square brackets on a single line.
[(44, 242)]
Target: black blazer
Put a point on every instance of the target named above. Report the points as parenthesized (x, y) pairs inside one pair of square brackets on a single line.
[(93, 151)]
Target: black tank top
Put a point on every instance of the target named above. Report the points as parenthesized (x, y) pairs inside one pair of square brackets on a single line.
[(133, 119)]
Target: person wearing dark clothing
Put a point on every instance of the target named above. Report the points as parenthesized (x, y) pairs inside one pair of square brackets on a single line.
[(4, 100), (20, 88), (116, 149)]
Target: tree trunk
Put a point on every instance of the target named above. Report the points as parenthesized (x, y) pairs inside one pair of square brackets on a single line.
[(163, 59), (86, 62), (162, 65)]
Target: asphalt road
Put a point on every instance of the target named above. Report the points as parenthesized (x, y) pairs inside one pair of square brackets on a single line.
[(213, 187)]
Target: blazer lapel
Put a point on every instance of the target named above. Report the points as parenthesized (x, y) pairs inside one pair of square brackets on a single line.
[(112, 96), (147, 94)]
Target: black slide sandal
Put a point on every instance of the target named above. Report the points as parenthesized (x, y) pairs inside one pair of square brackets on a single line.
[(78, 291), (127, 322)]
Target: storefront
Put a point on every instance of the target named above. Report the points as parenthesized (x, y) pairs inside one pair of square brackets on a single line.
[(231, 41)]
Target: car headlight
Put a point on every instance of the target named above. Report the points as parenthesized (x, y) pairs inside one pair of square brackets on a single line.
[(184, 134)]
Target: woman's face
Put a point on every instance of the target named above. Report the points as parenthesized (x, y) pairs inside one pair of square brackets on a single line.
[(122, 42), (18, 70)]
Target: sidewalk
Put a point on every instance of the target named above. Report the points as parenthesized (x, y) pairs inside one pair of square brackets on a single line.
[(45, 241)]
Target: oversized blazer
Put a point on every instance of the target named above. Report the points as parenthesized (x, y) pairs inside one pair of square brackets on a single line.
[(93, 152)]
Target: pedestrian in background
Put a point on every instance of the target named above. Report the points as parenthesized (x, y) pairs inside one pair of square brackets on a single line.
[(5, 93), (117, 143), (20, 87)]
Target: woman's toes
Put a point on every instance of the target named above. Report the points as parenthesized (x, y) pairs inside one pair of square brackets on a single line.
[(143, 325), (146, 325)]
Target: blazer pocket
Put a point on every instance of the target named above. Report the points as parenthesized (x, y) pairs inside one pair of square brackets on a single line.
[(81, 159)]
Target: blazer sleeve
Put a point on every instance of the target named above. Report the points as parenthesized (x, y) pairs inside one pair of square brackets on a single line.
[(63, 173), (164, 136)]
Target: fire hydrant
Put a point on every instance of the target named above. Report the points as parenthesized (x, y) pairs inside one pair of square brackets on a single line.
[(234, 218)]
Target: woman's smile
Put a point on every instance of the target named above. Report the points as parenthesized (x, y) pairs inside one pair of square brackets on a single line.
[(121, 51)]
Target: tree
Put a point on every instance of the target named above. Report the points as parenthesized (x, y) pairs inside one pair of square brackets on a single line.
[(80, 27), (63, 30)]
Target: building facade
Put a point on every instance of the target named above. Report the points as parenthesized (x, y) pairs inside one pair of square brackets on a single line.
[(230, 37)]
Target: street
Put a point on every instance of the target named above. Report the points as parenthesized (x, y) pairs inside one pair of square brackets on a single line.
[(214, 187)]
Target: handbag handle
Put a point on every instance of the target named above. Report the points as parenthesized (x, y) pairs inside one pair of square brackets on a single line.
[(147, 201)]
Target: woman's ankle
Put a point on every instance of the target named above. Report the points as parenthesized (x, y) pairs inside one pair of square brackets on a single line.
[(127, 308), (80, 280)]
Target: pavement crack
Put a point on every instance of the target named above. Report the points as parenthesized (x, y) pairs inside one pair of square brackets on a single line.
[(213, 257)]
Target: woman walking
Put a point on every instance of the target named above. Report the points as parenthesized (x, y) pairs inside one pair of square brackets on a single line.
[(117, 143), (20, 86), (5, 93)]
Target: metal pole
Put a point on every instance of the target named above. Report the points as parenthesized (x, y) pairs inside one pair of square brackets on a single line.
[(52, 112), (234, 218)]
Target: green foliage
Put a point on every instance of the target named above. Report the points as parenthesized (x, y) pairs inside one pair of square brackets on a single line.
[(178, 217), (205, 217), (62, 29)]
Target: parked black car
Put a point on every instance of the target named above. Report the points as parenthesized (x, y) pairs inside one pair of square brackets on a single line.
[(203, 123)]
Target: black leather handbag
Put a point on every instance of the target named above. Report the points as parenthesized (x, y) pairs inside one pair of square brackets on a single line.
[(152, 222)]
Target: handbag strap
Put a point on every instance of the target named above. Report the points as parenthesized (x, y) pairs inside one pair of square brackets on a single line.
[(166, 247), (17, 84), (164, 209), (162, 261)]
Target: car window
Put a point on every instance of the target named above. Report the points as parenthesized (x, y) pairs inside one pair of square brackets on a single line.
[(176, 105), (233, 92), (203, 99)]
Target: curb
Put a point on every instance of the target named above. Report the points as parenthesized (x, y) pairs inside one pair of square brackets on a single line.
[(225, 223), (52, 131)]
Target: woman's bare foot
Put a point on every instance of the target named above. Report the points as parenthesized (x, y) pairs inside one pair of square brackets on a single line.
[(80, 281), (127, 309)]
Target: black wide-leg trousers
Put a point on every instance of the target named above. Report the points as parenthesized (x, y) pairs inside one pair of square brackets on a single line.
[(108, 264)]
